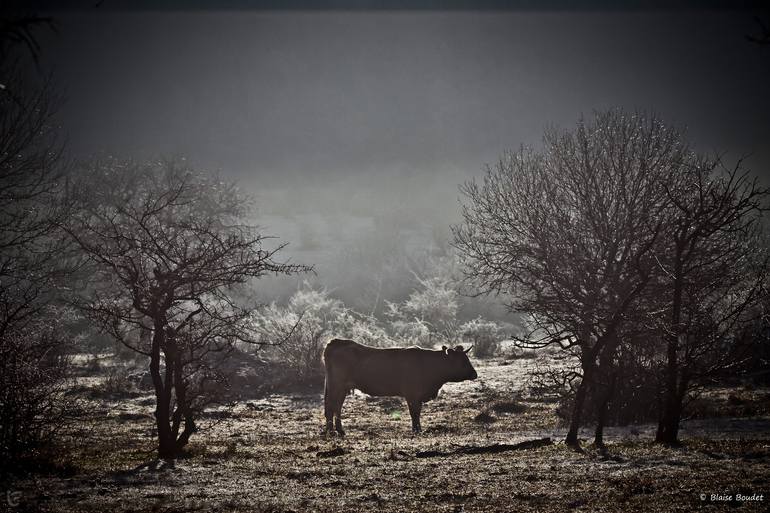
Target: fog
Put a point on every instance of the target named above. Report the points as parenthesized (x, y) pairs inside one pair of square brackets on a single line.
[(353, 129)]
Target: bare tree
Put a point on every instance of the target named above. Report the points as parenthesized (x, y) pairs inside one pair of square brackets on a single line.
[(568, 232), (169, 248), (33, 363), (713, 267)]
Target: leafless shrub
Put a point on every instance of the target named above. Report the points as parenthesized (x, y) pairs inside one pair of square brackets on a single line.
[(34, 380), (294, 336), (483, 335), (117, 380)]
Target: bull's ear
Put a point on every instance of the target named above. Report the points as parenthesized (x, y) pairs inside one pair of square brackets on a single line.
[(459, 349), (443, 348)]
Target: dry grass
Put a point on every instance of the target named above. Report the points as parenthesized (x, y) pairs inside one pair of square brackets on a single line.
[(268, 455)]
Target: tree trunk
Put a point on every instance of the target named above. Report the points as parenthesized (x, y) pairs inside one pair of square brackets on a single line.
[(168, 445), (577, 410), (668, 429), (601, 418), (183, 407), (668, 424), (162, 395), (605, 388), (602, 408), (189, 429)]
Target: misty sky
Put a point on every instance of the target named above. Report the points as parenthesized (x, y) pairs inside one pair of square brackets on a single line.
[(394, 108)]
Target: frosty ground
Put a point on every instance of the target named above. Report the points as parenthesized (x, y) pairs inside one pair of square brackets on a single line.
[(267, 454)]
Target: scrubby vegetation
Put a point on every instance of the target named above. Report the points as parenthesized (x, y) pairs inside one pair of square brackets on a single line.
[(483, 335), (292, 337)]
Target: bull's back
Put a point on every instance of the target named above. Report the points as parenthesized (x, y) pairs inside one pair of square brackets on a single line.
[(345, 355), (374, 371)]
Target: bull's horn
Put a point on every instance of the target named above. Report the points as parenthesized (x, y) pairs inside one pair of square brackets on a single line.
[(468, 350)]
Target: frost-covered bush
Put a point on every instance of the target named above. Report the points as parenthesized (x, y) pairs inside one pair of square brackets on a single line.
[(428, 316), (414, 332), (435, 305), (117, 380), (363, 329), (295, 335), (484, 335), (34, 379)]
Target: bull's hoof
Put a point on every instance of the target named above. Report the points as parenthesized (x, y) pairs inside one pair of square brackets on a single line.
[(340, 432)]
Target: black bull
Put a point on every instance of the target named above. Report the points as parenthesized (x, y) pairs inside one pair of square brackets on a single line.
[(412, 373)]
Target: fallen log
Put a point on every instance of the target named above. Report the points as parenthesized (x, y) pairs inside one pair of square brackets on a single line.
[(487, 449), (337, 451)]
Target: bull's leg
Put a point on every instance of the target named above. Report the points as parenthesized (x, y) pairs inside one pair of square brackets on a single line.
[(340, 398), (328, 407), (415, 407)]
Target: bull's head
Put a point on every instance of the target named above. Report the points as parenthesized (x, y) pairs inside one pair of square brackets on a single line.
[(460, 368)]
